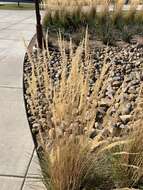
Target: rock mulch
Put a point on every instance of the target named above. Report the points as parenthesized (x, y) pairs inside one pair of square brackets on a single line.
[(125, 77)]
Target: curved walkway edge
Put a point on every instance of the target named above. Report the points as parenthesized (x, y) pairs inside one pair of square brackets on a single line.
[(19, 167)]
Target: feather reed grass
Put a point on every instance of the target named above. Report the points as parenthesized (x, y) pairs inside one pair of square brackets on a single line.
[(69, 102), (72, 165), (130, 16), (70, 98)]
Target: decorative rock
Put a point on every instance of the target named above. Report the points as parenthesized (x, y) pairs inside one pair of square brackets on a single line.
[(31, 119), (97, 125), (132, 90), (35, 131), (92, 134), (125, 118), (117, 78), (36, 126), (127, 109), (122, 126), (135, 82), (105, 102), (125, 72), (116, 83)]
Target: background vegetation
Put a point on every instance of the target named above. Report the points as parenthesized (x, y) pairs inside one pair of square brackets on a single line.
[(105, 22)]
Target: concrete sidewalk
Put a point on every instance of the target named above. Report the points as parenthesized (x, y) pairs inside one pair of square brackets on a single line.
[(19, 167)]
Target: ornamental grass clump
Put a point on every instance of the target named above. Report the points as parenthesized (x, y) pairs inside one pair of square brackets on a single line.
[(127, 161), (68, 90), (117, 16), (64, 99), (69, 164), (130, 16), (77, 163), (70, 15), (104, 23)]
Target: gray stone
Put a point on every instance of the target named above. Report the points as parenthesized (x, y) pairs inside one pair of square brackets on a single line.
[(127, 109), (97, 125), (135, 82), (117, 78), (35, 128), (125, 118), (116, 83), (132, 90), (36, 125), (93, 133), (122, 126), (105, 102)]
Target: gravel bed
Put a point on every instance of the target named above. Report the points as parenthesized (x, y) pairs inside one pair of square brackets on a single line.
[(125, 76)]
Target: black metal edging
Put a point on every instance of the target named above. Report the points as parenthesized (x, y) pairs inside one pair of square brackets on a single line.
[(30, 48)]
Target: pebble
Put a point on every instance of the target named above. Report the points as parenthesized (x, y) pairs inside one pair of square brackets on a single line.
[(92, 134), (127, 109), (35, 128), (125, 118)]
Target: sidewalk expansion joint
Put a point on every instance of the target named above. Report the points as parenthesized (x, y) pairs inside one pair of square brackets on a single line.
[(19, 176), (25, 176), (10, 87)]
